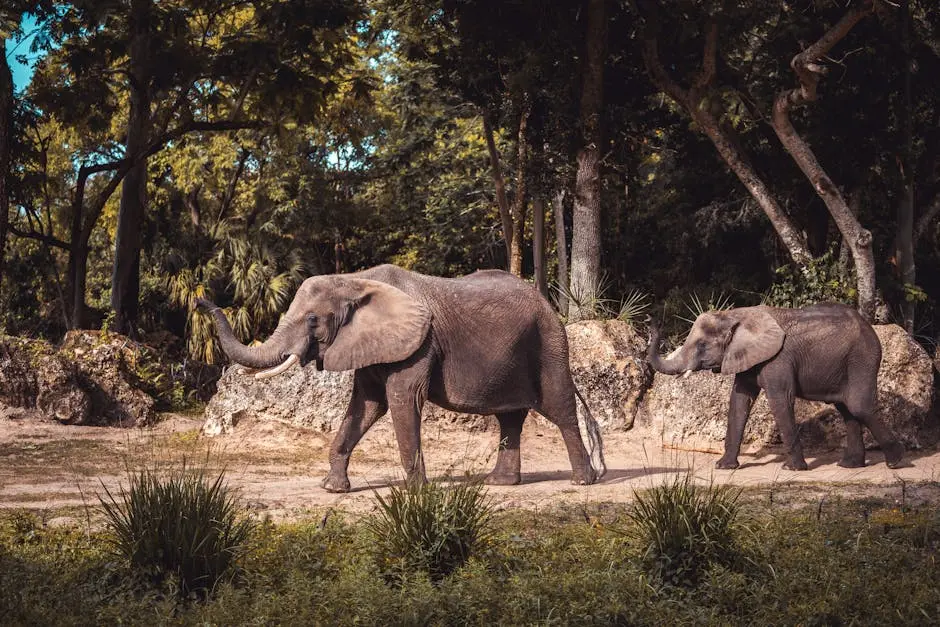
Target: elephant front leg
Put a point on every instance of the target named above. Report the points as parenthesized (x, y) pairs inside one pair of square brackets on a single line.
[(366, 405), (406, 418), (743, 393), (508, 470), (781, 405)]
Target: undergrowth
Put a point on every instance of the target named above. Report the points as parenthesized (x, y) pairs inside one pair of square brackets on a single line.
[(842, 561)]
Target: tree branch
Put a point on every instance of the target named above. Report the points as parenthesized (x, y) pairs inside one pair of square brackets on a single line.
[(709, 54), (807, 64), (40, 237), (926, 218)]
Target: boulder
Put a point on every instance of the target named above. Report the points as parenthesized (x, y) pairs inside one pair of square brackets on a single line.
[(694, 409), (93, 378), (35, 379), (606, 359), (609, 367)]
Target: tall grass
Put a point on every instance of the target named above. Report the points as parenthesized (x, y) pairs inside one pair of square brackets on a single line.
[(431, 528), (185, 525), (685, 527)]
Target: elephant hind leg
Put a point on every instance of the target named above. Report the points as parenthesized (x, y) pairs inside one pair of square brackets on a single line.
[(508, 470), (854, 455), (558, 406), (864, 413)]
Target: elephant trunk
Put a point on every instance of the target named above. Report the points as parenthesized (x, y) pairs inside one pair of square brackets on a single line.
[(272, 354), (677, 363)]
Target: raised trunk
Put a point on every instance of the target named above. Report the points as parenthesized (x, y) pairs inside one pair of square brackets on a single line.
[(125, 277), (677, 364), (271, 353)]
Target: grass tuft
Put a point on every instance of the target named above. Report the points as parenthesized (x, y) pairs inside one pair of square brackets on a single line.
[(430, 528), (185, 526), (685, 527)]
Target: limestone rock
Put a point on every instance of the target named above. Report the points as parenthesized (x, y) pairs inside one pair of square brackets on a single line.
[(694, 408), (606, 360), (93, 378), (608, 364)]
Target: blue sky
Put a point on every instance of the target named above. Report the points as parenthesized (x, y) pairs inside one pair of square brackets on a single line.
[(22, 72)]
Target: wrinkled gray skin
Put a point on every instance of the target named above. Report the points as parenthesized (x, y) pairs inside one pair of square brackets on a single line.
[(486, 343), (826, 353)]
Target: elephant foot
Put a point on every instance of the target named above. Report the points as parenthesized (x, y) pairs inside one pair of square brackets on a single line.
[(727, 463), (583, 478), (893, 453), (335, 483), (508, 478), (796, 464), (852, 462)]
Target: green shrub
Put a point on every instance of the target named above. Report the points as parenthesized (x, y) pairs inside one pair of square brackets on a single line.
[(685, 527), (430, 528), (824, 280), (184, 526)]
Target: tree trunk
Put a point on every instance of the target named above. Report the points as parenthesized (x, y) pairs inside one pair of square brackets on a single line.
[(808, 70), (502, 201), (723, 138), (904, 237), (538, 245), (519, 201), (561, 249), (586, 225), (6, 132), (125, 278)]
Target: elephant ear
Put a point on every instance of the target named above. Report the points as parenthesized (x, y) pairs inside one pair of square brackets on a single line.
[(384, 325), (756, 338)]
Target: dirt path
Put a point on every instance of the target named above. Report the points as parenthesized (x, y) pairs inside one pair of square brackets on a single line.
[(59, 470)]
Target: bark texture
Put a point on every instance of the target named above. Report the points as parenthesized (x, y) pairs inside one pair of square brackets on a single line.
[(724, 139), (502, 201), (586, 225), (808, 69), (6, 131), (561, 248), (125, 278)]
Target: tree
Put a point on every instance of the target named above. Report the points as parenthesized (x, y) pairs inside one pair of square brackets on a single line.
[(586, 226)]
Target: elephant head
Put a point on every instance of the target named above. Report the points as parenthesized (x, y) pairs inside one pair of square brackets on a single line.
[(341, 322), (722, 341)]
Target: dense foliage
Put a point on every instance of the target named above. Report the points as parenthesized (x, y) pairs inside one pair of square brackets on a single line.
[(841, 561), (281, 139)]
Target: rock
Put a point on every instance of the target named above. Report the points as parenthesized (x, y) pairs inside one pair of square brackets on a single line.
[(93, 378), (35, 379), (606, 359), (113, 370), (609, 368), (694, 409), (302, 397)]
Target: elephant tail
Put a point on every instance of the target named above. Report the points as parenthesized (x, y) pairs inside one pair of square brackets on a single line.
[(591, 434)]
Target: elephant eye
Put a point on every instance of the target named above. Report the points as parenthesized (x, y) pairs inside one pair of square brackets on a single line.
[(312, 321)]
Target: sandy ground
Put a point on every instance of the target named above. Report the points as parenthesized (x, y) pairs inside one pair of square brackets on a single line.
[(60, 471)]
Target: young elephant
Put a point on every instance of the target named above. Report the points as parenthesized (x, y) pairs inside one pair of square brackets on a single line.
[(826, 353), (485, 343)]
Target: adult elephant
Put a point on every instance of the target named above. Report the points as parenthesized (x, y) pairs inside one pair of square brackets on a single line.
[(485, 343), (825, 352)]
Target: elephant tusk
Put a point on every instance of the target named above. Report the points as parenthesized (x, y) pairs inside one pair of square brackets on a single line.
[(673, 354), (243, 370), (685, 375), (289, 363)]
